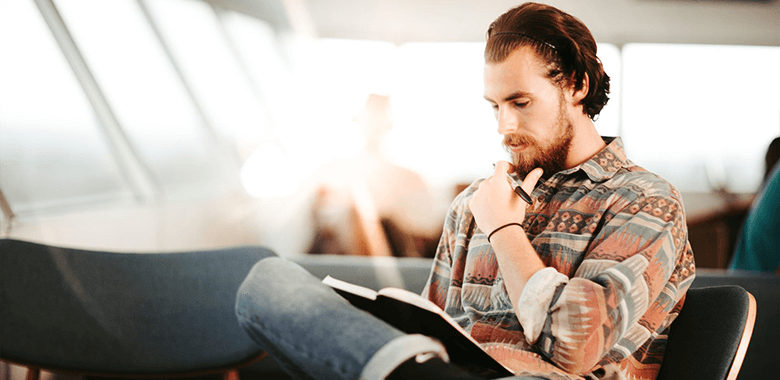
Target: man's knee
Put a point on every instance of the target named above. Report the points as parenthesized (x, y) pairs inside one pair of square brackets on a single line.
[(278, 286), (257, 286)]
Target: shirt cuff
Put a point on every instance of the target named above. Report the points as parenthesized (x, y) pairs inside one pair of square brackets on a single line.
[(399, 350), (535, 301)]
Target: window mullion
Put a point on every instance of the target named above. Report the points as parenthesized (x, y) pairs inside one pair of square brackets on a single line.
[(133, 169)]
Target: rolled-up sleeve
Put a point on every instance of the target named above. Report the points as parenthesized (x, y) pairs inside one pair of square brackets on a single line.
[(538, 294)]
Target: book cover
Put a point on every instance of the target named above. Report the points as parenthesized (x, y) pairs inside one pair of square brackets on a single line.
[(413, 314)]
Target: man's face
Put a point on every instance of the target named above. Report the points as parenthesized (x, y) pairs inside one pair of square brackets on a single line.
[(531, 112)]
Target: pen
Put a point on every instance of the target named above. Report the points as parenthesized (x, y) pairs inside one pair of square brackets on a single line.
[(516, 187), (518, 190)]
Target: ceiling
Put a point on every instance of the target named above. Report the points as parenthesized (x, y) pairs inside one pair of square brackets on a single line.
[(745, 22)]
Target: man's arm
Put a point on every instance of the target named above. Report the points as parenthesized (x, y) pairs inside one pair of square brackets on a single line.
[(635, 273), (494, 205)]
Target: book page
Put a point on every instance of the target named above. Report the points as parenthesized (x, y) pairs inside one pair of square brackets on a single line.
[(411, 298), (402, 295), (358, 290)]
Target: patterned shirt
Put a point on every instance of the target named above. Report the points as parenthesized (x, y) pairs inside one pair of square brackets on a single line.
[(617, 238)]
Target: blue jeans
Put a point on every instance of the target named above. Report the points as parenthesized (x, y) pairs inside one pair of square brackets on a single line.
[(316, 334)]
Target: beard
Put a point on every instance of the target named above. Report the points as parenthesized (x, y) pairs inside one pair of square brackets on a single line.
[(550, 157)]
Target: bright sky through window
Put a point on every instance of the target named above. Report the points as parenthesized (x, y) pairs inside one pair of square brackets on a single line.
[(701, 116)]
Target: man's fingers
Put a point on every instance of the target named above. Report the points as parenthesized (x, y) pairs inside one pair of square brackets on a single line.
[(529, 183), (503, 167)]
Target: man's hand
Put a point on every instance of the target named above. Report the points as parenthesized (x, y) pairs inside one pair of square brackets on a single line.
[(495, 202)]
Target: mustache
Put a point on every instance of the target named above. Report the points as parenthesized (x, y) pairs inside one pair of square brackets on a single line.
[(517, 139)]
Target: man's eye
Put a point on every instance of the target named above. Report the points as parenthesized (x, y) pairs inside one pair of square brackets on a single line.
[(521, 104)]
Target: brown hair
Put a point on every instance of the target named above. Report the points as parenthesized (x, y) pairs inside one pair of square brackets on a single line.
[(561, 40)]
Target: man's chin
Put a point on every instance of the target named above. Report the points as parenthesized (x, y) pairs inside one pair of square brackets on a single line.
[(521, 165), (523, 168)]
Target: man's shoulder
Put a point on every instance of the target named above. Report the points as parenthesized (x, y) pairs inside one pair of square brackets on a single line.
[(466, 194), (645, 183), (459, 206)]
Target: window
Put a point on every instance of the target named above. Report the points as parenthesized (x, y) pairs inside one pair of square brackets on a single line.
[(608, 121), (701, 116), (223, 88), (331, 80), (444, 127), (262, 51), (149, 100), (52, 150)]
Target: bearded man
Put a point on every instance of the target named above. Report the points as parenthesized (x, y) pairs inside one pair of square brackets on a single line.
[(586, 280), (577, 272)]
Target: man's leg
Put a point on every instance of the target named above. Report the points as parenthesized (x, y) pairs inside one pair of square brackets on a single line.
[(313, 332)]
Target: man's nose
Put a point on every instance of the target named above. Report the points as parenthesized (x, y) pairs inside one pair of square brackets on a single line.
[(507, 121)]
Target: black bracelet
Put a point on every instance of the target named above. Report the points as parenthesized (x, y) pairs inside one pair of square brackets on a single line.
[(505, 225)]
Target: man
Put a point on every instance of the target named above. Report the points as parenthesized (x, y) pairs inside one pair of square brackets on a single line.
[(587, 279), (583, 282)]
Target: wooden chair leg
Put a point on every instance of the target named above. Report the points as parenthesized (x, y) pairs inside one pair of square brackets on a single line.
[(33, 373), (5, 371), (229, 375)]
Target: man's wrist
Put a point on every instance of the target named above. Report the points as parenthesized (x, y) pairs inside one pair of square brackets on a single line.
[(503, 227)]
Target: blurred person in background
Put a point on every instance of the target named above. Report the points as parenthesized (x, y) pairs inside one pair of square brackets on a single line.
[(771, 157), (758, 245), (368, 205)]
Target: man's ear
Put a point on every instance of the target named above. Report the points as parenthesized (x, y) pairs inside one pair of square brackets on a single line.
[(578, 95)]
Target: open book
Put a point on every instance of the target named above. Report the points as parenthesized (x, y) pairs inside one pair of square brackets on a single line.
[(413, 314)]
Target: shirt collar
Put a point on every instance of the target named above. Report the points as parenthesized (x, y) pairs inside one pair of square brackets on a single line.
[(604, 164)]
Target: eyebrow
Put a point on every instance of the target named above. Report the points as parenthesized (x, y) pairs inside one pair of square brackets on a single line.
[(512, 96)]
